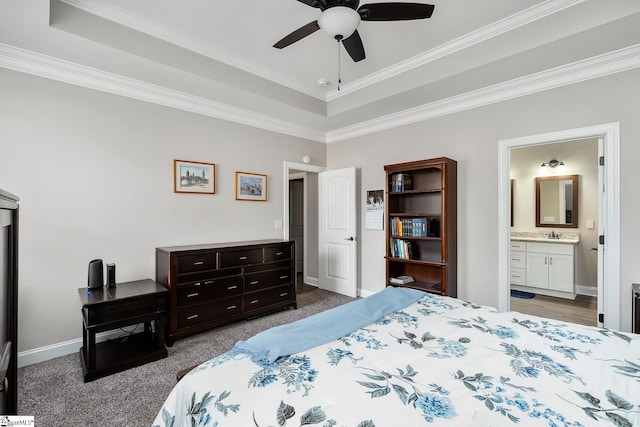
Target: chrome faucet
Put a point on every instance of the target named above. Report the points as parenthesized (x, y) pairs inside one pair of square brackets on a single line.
[(553, 235)]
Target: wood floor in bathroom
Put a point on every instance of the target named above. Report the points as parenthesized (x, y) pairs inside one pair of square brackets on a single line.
[(582, 310)]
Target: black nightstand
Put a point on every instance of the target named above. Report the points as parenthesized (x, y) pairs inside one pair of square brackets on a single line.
[(130, 303)]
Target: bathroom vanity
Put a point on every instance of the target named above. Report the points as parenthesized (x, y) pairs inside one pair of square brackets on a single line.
[(544, 266)]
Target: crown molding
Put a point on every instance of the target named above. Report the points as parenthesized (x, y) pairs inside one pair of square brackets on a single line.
[(107, 11), (483, 34), (599, 66), (112, 13), (56, 69)]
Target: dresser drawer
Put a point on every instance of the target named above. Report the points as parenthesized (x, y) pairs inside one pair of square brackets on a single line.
[(276, 253), (206, 277), (199, 262), (105, 313), (196, 314), (200, 292), (240, 257), (256, 300), (267, 279)]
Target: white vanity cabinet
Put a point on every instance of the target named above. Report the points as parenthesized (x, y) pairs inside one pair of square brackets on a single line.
[(549, 269)]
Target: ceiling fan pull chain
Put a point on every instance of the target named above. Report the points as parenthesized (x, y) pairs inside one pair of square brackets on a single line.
[(339, 68)]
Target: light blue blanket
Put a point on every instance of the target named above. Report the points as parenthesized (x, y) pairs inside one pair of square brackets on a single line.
[(327, 326)]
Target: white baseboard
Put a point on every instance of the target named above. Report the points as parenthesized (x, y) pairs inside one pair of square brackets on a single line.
[(366, 293), (591, 291), (311, 280), (42, 354)]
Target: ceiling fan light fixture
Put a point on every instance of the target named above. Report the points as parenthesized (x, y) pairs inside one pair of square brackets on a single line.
[(339, 22)]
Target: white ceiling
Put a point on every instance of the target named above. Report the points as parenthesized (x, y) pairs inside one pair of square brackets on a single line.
[(242, 33), (217, 58)]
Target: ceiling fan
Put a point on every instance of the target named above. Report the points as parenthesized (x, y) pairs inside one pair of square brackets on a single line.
[(340, 20)]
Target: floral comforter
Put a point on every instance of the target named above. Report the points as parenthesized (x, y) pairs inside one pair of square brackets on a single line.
[(439, 361)]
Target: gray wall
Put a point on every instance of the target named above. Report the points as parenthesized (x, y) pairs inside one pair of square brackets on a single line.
[(471, 138), (95, 176), (94, 172)]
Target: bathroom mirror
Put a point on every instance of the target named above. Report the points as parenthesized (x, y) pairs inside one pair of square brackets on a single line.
[(557, 201)]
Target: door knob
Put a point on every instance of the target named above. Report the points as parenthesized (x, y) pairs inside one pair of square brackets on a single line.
[(351, 239)]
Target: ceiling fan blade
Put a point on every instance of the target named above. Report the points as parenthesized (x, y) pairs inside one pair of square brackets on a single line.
[(315, 3), (298, 34), (395, 11), (353, 45)]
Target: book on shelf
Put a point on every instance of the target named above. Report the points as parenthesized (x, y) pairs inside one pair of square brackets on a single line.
[(410, 227), (401, 280), (401, 182), (400, 249)]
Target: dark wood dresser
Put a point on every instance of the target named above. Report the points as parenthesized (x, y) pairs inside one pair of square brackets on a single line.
[(214, 284)]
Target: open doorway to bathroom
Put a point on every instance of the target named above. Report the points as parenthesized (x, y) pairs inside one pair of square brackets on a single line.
[(608, 254), (554, 260)]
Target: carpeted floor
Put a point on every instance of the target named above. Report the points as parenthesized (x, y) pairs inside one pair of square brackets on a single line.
[(53, 391)]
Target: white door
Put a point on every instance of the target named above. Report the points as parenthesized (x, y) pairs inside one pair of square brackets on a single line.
[(338, 238)]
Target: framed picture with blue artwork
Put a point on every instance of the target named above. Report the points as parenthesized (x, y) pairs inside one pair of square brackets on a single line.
[(251, 186), (194, 177)]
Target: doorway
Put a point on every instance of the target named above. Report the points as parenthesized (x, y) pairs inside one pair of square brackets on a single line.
[(609, 275), (309, 176), (296, 217)]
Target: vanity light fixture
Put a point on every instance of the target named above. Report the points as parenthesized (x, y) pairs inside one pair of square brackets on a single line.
[(552, 163)]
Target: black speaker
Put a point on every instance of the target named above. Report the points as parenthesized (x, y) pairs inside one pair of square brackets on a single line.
[(96, 278), (111, 275)]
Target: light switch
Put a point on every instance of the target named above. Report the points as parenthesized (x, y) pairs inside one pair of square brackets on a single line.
[(278, 224), (589, 223)]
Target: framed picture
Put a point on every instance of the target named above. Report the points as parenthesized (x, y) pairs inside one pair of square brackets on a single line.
[(251, 186), (194, 177)]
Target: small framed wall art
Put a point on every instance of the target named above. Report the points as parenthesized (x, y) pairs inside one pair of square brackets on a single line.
[(251, 186), (194, 177)]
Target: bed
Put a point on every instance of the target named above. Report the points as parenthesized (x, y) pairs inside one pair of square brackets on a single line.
[(406, 358)]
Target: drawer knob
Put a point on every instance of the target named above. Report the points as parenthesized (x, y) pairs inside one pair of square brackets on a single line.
[(192, 317), (197, 284), (232, 287), (255, 282), (254, 301), (195, 294), (231, 307), (284, 277), (284, 294), (243, 258), (198, 263), (279, 253), (208, 282)]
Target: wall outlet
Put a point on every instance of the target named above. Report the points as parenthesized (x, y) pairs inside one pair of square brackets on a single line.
[(589, 223), (278, 224)]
